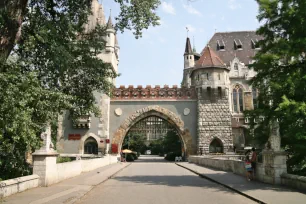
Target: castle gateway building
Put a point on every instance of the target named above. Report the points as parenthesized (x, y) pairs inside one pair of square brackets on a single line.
[(206, 111)]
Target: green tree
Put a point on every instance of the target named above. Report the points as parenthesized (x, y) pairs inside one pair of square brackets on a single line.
[(172, 143), (49, 63), (281, 77), (157, 146), (135, 142)]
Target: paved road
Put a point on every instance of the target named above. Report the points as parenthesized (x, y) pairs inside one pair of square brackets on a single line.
[(150, 180)]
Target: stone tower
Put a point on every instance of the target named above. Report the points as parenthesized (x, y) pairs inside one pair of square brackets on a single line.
[(188, 55), (210, 78)]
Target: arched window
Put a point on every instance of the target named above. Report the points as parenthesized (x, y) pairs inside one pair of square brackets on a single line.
[(236, 66), (238, 99), (198, 77), (240, 96), (255, 95), (235, 102), (90, 146), (216, 146)]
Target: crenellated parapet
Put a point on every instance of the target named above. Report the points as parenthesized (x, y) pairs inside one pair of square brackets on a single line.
[(153, 93)]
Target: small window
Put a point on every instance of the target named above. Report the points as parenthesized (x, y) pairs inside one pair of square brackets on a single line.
[(237, 44), (207, 76), (255, 44), (198, 77), (208, 91), (236, 66), (219, 92), (219, 76), (220, 45)]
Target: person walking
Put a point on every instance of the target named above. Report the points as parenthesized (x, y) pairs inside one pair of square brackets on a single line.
[(248, 168), (253, 162)]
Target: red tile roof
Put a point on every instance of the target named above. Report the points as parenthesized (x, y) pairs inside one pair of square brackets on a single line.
[(209, 59)]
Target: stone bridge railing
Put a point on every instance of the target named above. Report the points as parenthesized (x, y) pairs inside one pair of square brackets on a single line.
[(153, 93)]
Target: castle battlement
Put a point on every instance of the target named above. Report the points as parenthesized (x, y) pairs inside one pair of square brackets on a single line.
[(155, 93)]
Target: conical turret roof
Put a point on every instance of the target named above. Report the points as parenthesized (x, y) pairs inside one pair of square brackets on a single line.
[(188, 49), (209, 59), (109, 23)]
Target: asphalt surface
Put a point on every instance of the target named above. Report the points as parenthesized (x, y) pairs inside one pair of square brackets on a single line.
[(152, 180)]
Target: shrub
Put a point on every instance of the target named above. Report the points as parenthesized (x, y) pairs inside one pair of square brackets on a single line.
[(129, 157), (63, 159), (171, 156)]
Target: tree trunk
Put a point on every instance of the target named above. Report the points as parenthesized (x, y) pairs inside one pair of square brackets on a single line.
[(11, 18)]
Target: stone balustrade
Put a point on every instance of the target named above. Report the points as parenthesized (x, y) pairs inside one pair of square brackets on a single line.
[(263, 173), (153, 93), (17, 185)]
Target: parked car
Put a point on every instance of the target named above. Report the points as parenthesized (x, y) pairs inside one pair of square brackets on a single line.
[(148, 152)]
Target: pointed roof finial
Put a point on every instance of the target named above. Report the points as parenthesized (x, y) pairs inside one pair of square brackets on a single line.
[(109, 22), (187, 29)]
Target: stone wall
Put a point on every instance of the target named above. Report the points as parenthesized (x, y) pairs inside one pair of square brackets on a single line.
[(17, 185), (262, 171), (294, 181), (50, 172), (214, 121), (224, 164)]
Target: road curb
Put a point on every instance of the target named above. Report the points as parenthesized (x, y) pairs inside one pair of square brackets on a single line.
[(222, 184)]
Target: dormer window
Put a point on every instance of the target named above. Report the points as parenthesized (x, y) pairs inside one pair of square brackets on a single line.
[(220, 45), (237, 44), (255, 44)]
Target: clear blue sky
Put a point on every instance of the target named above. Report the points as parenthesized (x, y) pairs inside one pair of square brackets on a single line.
[(157, 58)]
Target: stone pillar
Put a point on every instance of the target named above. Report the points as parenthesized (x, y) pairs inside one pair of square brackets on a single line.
[(274, 159), (44, 164), (104, 120)]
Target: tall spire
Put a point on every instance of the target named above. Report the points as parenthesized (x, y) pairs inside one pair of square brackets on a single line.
[(188, 49), (109, 22)]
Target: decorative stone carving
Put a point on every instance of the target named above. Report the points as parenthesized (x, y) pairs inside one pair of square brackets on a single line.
[(118, 111), (155, 93), (186, 111), (82, 122), (47, 146)]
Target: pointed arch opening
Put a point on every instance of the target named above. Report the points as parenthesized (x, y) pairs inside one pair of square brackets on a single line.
[(90, 146), (216, 146), (173, 119)]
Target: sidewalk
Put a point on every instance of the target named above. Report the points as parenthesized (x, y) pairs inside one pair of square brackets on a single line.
[(67, 191), (264, 192)]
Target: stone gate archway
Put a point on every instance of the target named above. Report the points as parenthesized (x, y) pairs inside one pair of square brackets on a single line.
[(163, 113)]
